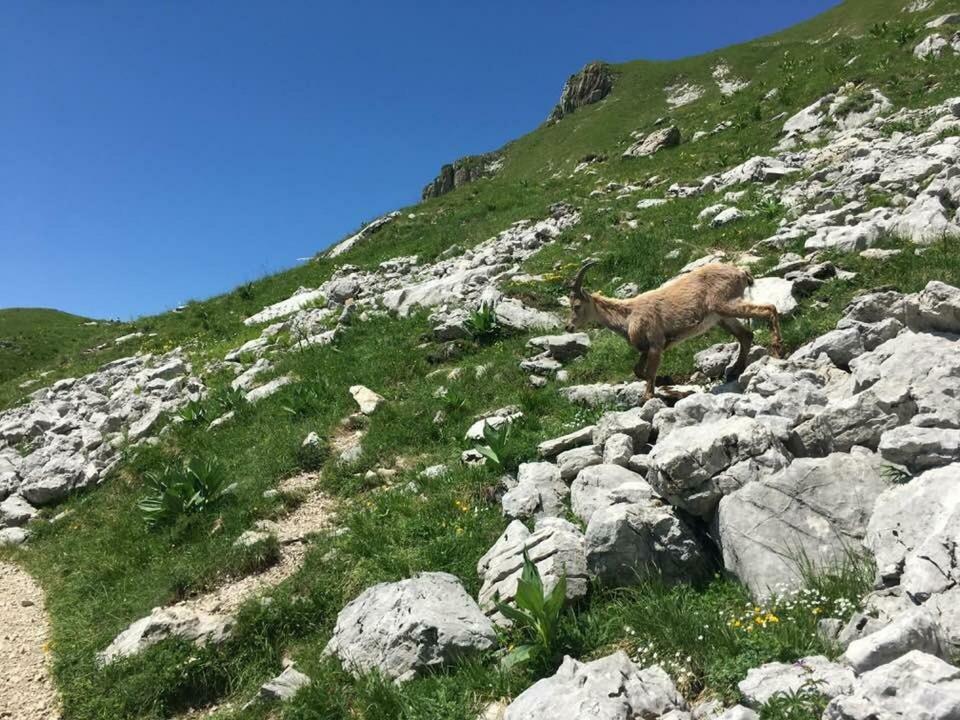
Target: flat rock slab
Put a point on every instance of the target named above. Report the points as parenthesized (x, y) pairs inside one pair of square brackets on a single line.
[(764, 682), (404, 627), (181, 622)]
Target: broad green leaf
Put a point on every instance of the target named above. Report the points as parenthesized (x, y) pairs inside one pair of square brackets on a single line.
[(519, 655)]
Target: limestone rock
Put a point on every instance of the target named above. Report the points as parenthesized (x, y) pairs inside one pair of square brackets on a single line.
[(916, 629), (366, 399), (593, 83), (916, 686), (814, 511), (539, 491), (654, 142), (918, 549), (404, 627), (176, 621), (555, 547), (626, 542), (601, 485), (764, 682), (284, 686), (610, 688), (694, 467)]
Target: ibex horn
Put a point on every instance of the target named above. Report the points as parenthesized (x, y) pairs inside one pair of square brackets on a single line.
[(578, 278)]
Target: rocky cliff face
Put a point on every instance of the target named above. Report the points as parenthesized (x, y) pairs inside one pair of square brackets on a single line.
[(590, 85), (462, 171)]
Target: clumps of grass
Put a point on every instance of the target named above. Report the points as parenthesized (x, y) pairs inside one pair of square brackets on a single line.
[(536, 618), (219, 401), (805, 703), (245, 292), (243, 560), (857, 101), (482, 323), (769, 208), (708, 638), (183, 488)]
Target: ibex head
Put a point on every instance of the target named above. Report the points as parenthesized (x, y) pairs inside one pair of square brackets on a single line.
[(580, 308)]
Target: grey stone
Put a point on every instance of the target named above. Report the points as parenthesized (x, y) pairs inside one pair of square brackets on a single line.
[(918, 549), (539, 491), (654, 142), (13, 536), (571, 462), (405, 627), (693, 467), (268, 389), (812, 513), (598, 486), (284, 686), (610, 688), (562, 347), (915, 629), (606, 395), (628, 422), (181, 622), (15, 511), (920, 448), (551, 448), (713, 361), (555, 547), (916, 686), (764, 682), (627, 542), (618, 449)]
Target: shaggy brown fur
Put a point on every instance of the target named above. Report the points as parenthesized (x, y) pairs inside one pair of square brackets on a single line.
[(682, 308)]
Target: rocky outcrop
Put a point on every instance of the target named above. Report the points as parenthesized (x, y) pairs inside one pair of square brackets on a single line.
[(185, 623), (371, 228), (762, 683), (68, 436), (590, 85), (654, 142), (402, 628), (462, 171)]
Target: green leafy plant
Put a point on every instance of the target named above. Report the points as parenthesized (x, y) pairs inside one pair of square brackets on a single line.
[(482, 322), (536, 616), (806, 703), (769, 207), (185, 488), (496, 448), (896, 475), (906, 33), (193, 413), (245, 291)]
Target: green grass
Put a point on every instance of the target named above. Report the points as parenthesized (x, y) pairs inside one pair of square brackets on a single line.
[(32, 338), (102, 567)]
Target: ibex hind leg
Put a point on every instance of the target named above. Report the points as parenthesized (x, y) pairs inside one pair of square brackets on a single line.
[(746, 310), (745, 337)]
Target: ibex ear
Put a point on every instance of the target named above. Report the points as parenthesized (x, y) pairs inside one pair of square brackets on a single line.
[(576, 285)]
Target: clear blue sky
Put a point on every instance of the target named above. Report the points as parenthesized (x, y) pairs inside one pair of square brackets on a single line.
[(153, 152)]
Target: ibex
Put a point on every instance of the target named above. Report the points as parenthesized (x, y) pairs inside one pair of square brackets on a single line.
[(682, 308)]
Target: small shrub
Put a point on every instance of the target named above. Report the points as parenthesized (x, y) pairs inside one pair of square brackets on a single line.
[(496, 448), (245, 291), (193, 413), (482, 323), (879, 30), (906, 34), (536, 617), (185, 488), (769, 208), (807, 703)]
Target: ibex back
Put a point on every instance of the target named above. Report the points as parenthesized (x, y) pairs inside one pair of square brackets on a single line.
[(682, 308)]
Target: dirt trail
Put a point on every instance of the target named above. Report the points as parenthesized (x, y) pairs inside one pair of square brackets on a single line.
[(26, 687)]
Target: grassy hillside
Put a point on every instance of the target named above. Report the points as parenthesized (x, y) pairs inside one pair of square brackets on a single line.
[(35, 338), (103, 568)]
